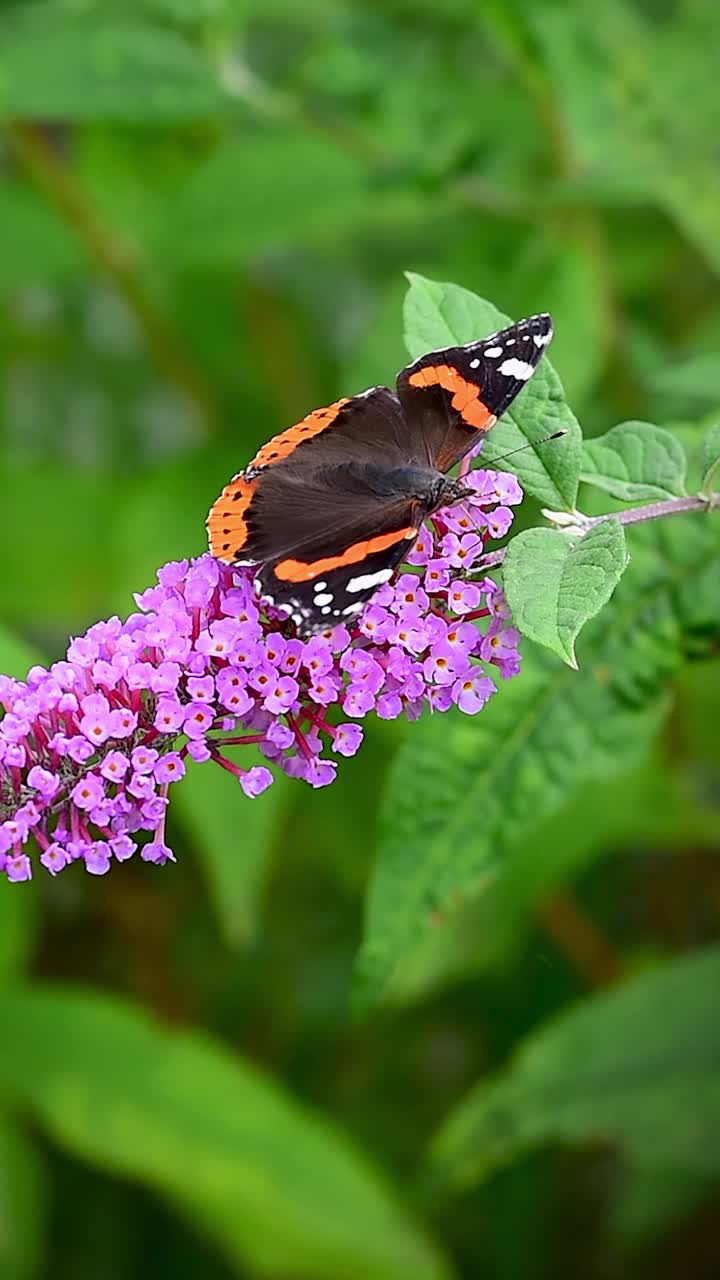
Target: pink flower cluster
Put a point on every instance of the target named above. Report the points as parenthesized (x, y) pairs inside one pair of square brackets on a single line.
[(90, 746)]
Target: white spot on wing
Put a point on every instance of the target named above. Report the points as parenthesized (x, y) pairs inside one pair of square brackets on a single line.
[(474, 363), (355, 607), (319, 586), (493, 351), (542, 339), (323, 599), (366, 581), (519, 369), (326, 609)]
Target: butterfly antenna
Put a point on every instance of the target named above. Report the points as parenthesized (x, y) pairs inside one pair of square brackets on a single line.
[(530, 445)]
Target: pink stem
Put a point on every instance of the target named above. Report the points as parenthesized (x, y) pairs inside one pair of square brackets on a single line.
[(299, 737), (241, 742), (476, 613), (224, 763), (319, 722)]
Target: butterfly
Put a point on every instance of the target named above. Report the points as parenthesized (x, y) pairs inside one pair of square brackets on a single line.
[(328, 509)]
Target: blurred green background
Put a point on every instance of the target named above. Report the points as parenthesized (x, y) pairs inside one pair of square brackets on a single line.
[(206, 207)]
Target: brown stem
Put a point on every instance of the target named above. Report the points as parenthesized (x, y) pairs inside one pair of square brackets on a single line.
[(580, 940), (115, 259)]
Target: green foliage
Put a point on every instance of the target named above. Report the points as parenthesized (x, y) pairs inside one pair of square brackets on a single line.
[(463, 792), (555, 584), (105, 72), (234, 841), (23, 1204), (711, 460), (613, 1070), (635, 461), (268, 1180), (647, 806), (206, 211), (443, 315)]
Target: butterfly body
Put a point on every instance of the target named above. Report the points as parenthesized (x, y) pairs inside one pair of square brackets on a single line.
[(329, 508)]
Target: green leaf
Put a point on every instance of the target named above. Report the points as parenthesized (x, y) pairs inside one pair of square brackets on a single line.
[(23, 1205), (237, 202), (18, 916), (465, 790), (239, 199), (634, 461), (649, 807), (75, 585), (625, 1067), (233, 836), (696, 378), (554, 583), (268, 1180), (37, 247), (637, 95), (711, 461), (445, 315), (79, 71), (16, 655), (562, 275), (648, 1201)]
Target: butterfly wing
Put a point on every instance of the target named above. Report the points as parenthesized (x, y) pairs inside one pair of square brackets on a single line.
[(312, 511), (453, 396)]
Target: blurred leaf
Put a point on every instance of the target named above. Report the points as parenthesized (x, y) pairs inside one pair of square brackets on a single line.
[(266, 190), (650, 1200), (564, 276), (555, 584), (37, 248), (233, 837), (463, 791), (628, 1066), (18, 916), (635, 460), (445, 315), (16, 654), (380, 354), (270, 190), (652, 807), (268, 1180), (639, 98), (696, 378), (23, 1205), (57, 568), (76, 71), (711, 460)]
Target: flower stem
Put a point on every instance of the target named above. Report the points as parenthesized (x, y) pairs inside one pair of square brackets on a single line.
[(580, 939), (658, 510), (240, 741), (633, 515)]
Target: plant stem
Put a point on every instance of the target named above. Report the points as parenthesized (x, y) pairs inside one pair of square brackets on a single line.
[(633, 515), (580, 939), (114, 257), (658, 510)]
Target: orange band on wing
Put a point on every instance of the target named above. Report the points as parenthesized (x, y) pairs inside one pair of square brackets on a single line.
[(466, 396), (284, 444), (226, 524), (299, 571)]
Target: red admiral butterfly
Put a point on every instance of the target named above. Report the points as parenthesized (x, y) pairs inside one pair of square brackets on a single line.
[(328, 509)]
